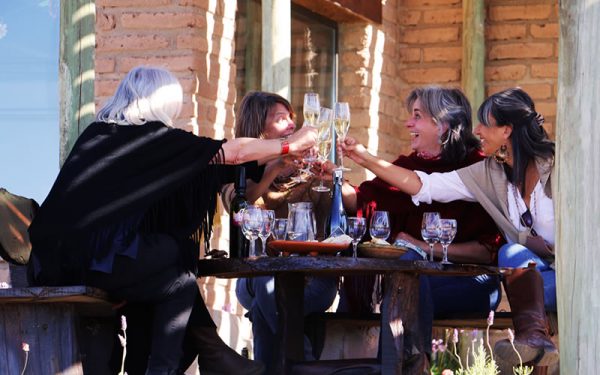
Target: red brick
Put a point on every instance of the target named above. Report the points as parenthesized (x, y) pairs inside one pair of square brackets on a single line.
[(505, 32), (450, 54), (521, 51), (104, 64), (173, 63), (547, 30), (105, 22), (520, 12), (410, 55), (409, 17), (105, 87), (131, 42), (430, 75), (430, 35), (429, 2), (451, 15), (131, 3), (505, 72), (162, 20), (192, 39), (546, 70), (547, 109)]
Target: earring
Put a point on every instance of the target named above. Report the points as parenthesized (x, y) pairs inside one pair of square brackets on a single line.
[(501, 154)]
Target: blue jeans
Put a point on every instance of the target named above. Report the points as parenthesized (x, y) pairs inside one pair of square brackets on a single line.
[(516, 255), (448, 296), (257, 295)]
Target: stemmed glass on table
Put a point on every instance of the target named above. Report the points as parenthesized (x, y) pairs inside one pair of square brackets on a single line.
[(341, 123), (448, 229), (268, 217), (430, 229), (380, 225), (324, 142), (252, 223), (356, 228), (279, 228)]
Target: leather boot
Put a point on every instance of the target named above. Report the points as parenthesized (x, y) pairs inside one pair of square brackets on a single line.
[(525, 291), (216, 357)]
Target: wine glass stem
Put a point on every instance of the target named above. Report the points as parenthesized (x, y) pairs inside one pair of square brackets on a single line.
[(445, 255), (354, 246), (431, 251), (252, 248), (264, 246)]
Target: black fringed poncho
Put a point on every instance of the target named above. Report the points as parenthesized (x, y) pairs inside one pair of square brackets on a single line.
[(168, 176)]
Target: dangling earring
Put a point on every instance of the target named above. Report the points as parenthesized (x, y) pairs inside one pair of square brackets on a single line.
[(501, 154)]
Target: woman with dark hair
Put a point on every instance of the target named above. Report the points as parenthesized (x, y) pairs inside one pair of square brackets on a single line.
[(270, 116), (130, 207), (513, 186), (439, 124)]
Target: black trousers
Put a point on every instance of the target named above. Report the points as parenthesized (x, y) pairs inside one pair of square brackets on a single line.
[(160, 297)]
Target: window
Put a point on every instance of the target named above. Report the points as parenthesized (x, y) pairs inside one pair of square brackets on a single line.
[(313, 55)]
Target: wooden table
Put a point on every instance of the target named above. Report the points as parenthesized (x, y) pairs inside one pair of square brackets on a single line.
[(399, 309)]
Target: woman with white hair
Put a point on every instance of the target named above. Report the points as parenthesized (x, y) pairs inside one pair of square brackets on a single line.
[(130, 207)]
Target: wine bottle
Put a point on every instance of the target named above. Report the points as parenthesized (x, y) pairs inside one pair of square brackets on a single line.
[(238, 244), (337, 216)]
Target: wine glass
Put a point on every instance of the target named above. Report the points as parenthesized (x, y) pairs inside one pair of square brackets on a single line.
[(268, 217), (380, 225), (252, 223), (341, 123), (324, 146), (430, 229), (279, 228), (311, 108), (447, 233), (356, 228)]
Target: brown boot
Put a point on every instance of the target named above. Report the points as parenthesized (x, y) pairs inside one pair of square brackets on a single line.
[(215, 357), (525, 291)]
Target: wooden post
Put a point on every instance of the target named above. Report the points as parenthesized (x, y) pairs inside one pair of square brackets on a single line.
[(276, 46), (576, 186), (76, 70), (473, 59)]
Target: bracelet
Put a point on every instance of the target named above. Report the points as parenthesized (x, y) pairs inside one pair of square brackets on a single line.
[(285, 147)]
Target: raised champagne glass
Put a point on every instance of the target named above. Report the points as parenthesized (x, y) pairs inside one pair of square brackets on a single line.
[(341, 124)]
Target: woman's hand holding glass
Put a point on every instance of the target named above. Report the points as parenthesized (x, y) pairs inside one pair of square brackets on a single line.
[(430, 229), (356, 229), (268, 217), (380, 225), (341, 124), (448, 229)]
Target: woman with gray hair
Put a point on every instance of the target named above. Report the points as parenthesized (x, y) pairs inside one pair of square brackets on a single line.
[(129, 210), (439, 124), (513, 184)]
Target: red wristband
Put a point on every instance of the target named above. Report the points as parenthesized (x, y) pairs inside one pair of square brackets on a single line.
[(285, 147)]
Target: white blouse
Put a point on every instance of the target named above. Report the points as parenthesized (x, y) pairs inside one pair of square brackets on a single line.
[(447, 187)]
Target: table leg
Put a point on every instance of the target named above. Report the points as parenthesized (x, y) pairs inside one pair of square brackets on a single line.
[(289, 292), (402, 349)]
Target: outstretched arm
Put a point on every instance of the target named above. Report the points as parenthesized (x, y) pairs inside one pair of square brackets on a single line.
[(404, 179)]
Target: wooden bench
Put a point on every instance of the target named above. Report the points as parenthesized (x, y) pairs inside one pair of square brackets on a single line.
[(68, 330)]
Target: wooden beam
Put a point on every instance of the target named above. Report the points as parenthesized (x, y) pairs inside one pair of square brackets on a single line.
[(473, 58), (576, 186), (76, 70), (276, 46), (346, 10)]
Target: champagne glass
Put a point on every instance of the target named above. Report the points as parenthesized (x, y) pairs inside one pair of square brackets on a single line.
[(324, 144), (448, 229), (380, 225), (252, 223), (430, 229), (279, 228), (357, 227), (341, 123), (311, 108), (268, 217)]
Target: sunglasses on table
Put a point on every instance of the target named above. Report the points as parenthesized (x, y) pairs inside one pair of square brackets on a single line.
[(527, 220)]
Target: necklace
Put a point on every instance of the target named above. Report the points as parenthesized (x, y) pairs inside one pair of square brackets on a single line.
[(521, 202)]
